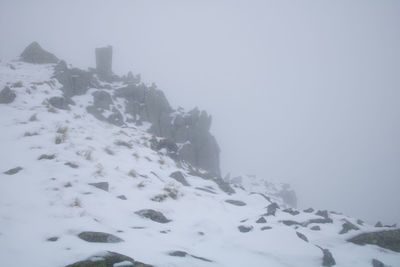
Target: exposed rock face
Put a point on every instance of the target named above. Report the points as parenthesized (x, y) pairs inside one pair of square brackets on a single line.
[(389, 239), (108, 259), (347, 226), (99, 237), (104, 62), (74, 81), (7, 95), (102, 102), (34, 53)]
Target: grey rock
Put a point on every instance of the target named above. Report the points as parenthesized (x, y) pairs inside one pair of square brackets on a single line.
[(102, 99), (271, 209), (309, 210), (321, 221), (266, 228), (153, 215), (13, 171), (378, 224), (34, 53), (327, 258), (52, 239), (347, 226), (360, 222), (291, 211), (47, 156), (100, 185), (302, 236), (74, 81), (108, 259), (235, 202), (123, 197), (377, 263), (245, 229), (261, 220), (178, 176), (323, 213), (7, 95), (316, 228), (389, 239), (290, 222), (179, 253), (102, 102), (99, 237), (61, 102)]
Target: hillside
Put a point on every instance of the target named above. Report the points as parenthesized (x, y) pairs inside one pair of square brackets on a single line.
[(94, 164)]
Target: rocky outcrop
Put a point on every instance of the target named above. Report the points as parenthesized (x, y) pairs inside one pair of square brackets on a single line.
[(103, 109), (389, 239), (327, 258), (7, 95), (74, 81), (61, 102), (348, 226), (34, 53)]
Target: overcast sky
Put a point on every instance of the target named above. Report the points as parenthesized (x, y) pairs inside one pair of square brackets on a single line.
[(306, 92)]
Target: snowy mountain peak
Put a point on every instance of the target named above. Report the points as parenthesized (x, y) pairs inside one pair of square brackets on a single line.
[(99, 170)]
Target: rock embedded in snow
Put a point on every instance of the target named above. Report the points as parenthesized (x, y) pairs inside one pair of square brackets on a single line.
[(47, 156), (316, 228), (122, 197), (302, 236), (61, 102), (245, 229), (291, 211), (327, 258), (235, 202), (178, 176), (7, 95), (309, 210), (13, 171), (377, 263), (108, 259), (261, 220), (101, 185), (153, 215), (99, 237), (347, 226), (378, 224), (35, 54), (323, 213), (389, 239)]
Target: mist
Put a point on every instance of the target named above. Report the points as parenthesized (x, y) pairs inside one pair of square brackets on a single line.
[(302, 92)]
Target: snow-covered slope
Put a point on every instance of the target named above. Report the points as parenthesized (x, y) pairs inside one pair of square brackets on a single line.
[(77, 173)]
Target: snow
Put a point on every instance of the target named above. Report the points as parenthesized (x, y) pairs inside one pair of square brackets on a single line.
[(48, 198)]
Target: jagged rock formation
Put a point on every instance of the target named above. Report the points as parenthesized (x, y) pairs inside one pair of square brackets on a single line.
[(34, 53)]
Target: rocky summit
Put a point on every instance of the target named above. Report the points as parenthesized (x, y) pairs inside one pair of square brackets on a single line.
[(99, 170)]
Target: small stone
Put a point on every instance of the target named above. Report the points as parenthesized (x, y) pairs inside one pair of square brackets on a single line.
[(235, 202), (265, 228), (261, 220), (122, 197), (316, 228), (302, 236), (52, 239), (100, 185), (44, 156), (99, 237), (13, 171), (153, 215)]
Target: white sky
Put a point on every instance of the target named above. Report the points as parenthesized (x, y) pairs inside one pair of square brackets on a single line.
[(302, 91)]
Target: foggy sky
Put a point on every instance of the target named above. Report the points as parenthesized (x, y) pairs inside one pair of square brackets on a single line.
[(306, 92)]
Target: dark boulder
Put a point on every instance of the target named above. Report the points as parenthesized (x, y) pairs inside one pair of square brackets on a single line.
[(100, 185), (235, 202), (266, 228), (316, 228), (99, 237), (108, 259), (34, 53), (245, 229), (178, 176), (153, 215), (389, 239), (271, 209), (323, 213), (7, 95)]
